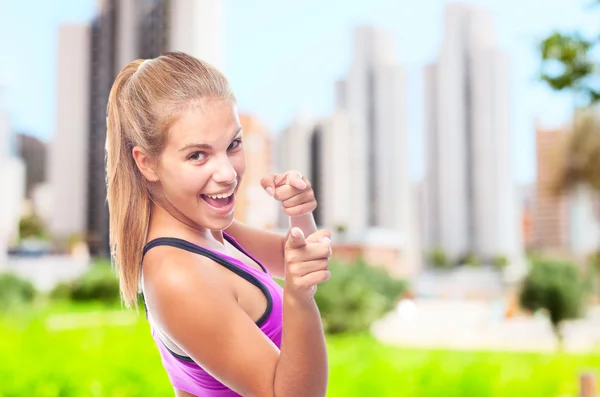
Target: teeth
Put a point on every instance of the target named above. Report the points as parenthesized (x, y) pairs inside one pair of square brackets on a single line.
[(220, 196)]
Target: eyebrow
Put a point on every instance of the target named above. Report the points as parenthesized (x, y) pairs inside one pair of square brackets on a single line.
[(206, 146)]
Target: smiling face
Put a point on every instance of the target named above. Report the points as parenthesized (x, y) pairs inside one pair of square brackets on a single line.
[(202, 164)]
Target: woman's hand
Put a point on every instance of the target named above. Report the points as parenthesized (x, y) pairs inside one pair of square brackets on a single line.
[(293, 190), (306, 262)]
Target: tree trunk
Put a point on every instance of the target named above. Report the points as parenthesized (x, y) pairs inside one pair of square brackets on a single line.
[(558, 332)]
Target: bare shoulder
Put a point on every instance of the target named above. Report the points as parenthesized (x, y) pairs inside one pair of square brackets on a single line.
[(169, 271), (197, 309)]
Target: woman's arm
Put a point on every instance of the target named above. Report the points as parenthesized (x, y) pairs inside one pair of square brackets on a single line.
[(298, 200), (218, 335), (266, 246)]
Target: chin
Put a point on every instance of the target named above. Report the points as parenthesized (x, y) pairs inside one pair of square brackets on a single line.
[(218, 225)]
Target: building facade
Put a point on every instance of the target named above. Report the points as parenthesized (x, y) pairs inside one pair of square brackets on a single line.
[(471, 203)]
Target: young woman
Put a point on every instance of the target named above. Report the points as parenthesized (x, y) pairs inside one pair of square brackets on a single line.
[(175, 160)]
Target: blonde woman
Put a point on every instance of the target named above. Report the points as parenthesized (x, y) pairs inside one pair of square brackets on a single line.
[(175, 160)]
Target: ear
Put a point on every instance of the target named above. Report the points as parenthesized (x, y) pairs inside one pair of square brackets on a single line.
[(144, 164)]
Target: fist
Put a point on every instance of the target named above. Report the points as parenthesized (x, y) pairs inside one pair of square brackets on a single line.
[(306, 261), (293, 190)]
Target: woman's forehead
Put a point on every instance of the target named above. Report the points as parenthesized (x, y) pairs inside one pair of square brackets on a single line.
[(210, 122)]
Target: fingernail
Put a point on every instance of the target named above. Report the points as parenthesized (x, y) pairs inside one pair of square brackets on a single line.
[(302, 185), (270, 191), (296, 232), (327, 240)]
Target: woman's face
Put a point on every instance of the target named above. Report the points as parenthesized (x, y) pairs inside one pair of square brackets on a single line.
[(202, 165)]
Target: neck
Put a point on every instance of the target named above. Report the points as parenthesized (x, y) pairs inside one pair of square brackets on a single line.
[(163, 223)]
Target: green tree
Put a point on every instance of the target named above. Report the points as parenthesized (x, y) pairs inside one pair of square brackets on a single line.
[(31, 226), (557, 288), (499, 262), (357, 295), (438, 259), (570, 63)]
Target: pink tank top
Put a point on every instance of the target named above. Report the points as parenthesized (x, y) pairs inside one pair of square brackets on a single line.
[(183, 372)]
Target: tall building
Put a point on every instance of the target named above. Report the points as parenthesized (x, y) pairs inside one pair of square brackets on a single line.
[(332, 178), (293, 152), (195, 27), (12, 175), (356, 158), (69, 147), (550, 218), (252, 204), (373, 97), (33, 152), (470, 192), (320, 150), (124, 31)]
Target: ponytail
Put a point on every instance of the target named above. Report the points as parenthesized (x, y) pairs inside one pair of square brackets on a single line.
[(127, 193), (143, 102)]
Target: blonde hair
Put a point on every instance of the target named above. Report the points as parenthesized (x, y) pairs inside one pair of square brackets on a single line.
[(144, 101)]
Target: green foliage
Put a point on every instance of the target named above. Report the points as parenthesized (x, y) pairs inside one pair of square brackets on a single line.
[(31, 227), (556, 287), (438, 259), (99, 284), (567, 64), (468, 259), (362, 367), (341, 228), (15, 292), (356, 295), (499, 262), (39, 359)]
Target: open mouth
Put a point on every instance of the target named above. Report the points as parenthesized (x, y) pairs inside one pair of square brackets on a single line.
[(221, 202)]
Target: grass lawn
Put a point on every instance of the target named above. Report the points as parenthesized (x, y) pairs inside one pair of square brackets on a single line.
[(101, 352)]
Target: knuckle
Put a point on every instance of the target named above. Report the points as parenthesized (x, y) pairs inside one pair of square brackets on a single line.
[(291, 257), (297, 282), (294, 211), (324, 250), (324, 276), (323, 264)]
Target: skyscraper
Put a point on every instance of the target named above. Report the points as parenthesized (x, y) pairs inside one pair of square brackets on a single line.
[(12, 175), (356, 157), (550, 219), (293, 152), (124, 31), (69, 147), (195, 27), (470, 192), (33, 152), (373, 97)]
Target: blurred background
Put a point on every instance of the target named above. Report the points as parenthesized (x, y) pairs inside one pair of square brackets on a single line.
[(454, 149)]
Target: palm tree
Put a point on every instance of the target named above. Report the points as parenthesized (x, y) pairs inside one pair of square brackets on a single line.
[(568, 64)]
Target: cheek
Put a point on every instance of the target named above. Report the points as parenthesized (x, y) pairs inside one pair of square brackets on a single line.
[(187, 180), (239, 163)]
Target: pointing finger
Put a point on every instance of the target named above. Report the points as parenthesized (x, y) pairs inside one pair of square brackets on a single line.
[(268, 183), (295, 179), (296, 238)]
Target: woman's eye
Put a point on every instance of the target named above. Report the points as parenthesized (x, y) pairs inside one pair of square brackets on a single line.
[(197, 156), (235, 144)]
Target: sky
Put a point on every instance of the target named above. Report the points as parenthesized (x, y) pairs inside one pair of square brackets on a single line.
[(283, 58)]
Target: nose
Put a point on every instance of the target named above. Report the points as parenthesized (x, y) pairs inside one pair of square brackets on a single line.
[(224, 171)]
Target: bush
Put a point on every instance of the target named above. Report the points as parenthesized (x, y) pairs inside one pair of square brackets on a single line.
[(499, 262), (31, 227), (468, 259), (556, 287), (15, 291), (438, 259), (99, 283), (356, 295)]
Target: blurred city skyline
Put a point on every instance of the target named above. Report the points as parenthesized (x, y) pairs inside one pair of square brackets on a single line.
[(279, 69)]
